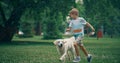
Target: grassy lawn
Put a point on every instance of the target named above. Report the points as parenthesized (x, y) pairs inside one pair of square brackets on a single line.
[(34, 50)]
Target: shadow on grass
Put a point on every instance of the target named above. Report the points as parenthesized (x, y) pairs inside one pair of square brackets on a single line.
[(26, 43)]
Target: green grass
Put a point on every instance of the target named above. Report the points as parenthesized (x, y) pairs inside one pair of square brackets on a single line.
[(34, 50)]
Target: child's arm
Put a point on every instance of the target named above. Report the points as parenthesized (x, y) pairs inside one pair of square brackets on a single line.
[(68, 29), (93, 30), (89, 25)]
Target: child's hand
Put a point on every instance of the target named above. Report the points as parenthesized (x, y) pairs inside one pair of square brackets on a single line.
[(92, 33), (68, 29)]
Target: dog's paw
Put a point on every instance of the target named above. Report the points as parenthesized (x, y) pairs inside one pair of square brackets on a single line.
[(60, 59)]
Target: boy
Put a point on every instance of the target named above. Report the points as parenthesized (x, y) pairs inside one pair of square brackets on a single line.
[(76, 25)]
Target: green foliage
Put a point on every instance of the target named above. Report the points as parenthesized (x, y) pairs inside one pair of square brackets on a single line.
[(11, 12), (60, 22), (103, 13), (81, 8), (51, 25), (50, 14), (55, 16), (26, 25), (26, 29), (52, 31)]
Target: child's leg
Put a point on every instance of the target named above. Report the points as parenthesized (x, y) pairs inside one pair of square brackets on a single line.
[(76, 49), (80, 44), (89, 56), (83, 49), (77, 59)]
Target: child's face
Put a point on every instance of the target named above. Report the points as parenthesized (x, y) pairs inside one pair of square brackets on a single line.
[(73, 16)]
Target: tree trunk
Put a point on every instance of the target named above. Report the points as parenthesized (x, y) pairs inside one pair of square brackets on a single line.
[(10, 26), (6, 34), (38, 29)]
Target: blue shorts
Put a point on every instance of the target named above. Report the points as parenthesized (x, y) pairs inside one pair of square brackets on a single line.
[(79, 38)]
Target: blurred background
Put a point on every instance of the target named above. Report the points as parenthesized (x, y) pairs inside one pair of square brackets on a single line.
[(28, 18), (49, 18), (28, 29)]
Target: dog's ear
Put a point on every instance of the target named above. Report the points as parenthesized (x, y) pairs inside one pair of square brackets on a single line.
[(55, 42)]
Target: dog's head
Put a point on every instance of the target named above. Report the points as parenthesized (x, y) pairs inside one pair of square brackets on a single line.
[(59, 42)]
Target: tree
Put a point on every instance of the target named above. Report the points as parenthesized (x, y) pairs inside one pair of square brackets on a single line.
[(27, 23), (10, 21), (60, 22), (103, 13), (12, 10), (51, 25)]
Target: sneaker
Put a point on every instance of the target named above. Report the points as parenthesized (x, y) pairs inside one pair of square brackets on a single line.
[(76, 60), (89, 58)]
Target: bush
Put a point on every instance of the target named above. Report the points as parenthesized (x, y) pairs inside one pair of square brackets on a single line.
[(26, 28), (51, 30), (51, 24)]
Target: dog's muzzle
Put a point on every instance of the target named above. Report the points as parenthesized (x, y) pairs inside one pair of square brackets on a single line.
[(60, 44)]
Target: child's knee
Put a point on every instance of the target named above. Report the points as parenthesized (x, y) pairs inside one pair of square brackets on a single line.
[(75, 44), (81, 45)]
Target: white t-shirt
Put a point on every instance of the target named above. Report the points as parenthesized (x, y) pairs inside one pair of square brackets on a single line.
[(78, 24)]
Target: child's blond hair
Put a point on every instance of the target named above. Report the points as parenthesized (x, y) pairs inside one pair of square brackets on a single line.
[(74, 11)]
